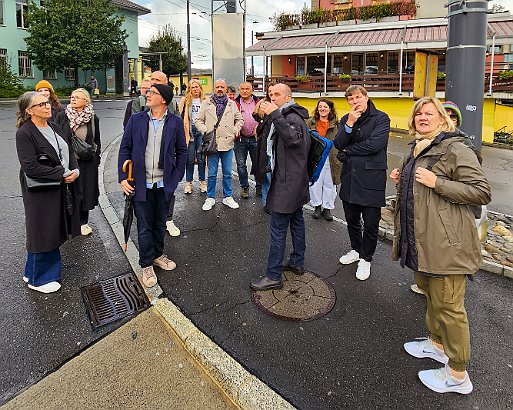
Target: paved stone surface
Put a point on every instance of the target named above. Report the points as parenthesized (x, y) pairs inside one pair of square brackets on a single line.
[(142, 365)]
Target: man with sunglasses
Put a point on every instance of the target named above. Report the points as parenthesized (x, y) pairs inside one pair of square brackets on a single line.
[(155, 142)]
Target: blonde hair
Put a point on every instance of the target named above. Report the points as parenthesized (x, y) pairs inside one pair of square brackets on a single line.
[(25, 101), (188, 93), (448, 124), (87, 96)]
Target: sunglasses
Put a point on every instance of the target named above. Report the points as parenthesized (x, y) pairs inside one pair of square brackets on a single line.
[(41, 104)]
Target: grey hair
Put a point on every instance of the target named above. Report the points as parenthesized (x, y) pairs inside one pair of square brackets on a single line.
[(24, 102), (221, 79)]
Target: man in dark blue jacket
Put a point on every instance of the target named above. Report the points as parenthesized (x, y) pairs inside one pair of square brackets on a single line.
[(288, 143), (362, 140), (155, 142)]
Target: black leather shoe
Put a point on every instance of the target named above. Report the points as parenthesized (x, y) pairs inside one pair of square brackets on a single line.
[(317, 212), (327, 214), (267, 210), (298, 270), (264, 283), (259, 190)]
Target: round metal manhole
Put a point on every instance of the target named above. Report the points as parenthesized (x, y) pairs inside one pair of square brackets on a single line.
[(303, 297)]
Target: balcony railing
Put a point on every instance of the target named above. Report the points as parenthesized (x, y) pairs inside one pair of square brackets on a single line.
[(372, 82)]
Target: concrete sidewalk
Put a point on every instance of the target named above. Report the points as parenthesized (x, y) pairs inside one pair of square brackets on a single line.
[(141, 365)]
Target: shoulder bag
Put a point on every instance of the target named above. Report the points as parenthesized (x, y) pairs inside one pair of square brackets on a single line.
[(83, 150), (209, 141)]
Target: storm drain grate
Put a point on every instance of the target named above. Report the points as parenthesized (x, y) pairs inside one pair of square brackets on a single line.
[(112, 299), (303, 298)]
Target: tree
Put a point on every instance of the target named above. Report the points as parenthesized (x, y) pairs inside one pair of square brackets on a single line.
[(175, 61), (10, 85), (498, 8), (79, 34)]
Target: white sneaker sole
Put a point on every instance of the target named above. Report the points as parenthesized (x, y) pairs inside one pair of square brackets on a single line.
[(425, 355)]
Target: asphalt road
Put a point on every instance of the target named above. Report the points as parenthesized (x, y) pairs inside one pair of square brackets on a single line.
[(350, 358)]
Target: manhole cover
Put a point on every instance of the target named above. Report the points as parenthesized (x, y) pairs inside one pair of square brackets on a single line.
[(303, 297), (112, 299)]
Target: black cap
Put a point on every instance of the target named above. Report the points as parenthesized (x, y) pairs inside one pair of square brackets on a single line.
[(165, 91)]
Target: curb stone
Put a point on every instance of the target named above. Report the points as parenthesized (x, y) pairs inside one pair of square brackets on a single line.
[(244, 389)]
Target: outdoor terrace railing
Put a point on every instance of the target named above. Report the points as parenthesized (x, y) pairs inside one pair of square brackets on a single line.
[(372, 82)]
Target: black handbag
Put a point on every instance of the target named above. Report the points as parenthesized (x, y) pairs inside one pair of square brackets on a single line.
[(42, 184), (209, 140), (83, 150)]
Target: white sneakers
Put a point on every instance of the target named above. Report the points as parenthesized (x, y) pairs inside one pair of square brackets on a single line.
[(363, 271), (438, 380), (230, 202), (416, 289), (172, 229), (49, 287), (350, 257), (86, 230), (209, 203), (442, 381), (424, 347)]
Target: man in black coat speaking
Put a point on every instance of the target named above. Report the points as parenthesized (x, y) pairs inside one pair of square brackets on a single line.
[(362, 140), (288, 143)]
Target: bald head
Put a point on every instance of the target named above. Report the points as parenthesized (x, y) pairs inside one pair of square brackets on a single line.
[(158, 77), (280, 94)]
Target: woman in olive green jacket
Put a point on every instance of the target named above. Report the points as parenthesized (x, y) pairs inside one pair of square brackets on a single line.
[(435, 236), (324, 192)]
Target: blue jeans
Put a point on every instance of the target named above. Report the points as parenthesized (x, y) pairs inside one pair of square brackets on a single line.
[(192, 150), (226, 166), (242, 147), (279, 226), (151, 225), (267, 184), (43, 267)]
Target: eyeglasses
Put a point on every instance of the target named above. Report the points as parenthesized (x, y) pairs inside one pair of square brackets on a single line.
[(151, 92), (41, 104), (74, 97)]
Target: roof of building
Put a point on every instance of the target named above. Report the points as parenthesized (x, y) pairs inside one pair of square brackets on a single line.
[(425, 33), (130, 5)]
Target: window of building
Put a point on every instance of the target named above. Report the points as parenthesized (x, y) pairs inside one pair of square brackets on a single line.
[(21, 12), (301, 65), (316, 65), (1, 12), (357, 64), (69, 73), (3, 57), (50, 74), (393, 62), (371, 63), (24, 65)]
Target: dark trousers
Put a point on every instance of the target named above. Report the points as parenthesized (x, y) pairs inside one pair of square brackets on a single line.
[(242, 147), (151, 225), (279, 226), (171, 209), (362, 242)]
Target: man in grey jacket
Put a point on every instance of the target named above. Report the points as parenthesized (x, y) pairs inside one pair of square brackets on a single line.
[(288, 144)]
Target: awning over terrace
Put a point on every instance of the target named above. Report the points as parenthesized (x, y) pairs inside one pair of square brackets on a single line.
[(370, 37)]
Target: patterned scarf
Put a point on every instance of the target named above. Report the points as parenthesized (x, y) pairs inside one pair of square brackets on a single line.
[(77, 118), (220, 103)]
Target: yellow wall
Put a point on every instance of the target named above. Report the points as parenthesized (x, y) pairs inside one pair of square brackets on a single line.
[(495, 116)]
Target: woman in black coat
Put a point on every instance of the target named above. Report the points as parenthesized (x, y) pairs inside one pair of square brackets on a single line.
[(79, 119), (43, 151)]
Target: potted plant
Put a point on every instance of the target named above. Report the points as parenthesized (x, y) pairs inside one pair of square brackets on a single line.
[(302, 78)]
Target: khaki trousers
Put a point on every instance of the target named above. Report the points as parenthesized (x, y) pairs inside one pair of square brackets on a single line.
[(446, 317)]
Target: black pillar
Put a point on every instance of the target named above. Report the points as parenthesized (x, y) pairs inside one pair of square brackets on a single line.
[(466, 53)]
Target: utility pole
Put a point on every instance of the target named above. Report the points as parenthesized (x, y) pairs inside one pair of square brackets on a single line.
[(466, 53), (189, 62)]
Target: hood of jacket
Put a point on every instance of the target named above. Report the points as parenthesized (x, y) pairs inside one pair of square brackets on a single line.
[(301, 111)]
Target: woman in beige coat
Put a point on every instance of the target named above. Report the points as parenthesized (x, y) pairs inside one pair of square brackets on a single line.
[(436, 237), (189, 108)]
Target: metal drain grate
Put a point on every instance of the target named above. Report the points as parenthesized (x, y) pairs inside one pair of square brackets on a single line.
[(112, 299)]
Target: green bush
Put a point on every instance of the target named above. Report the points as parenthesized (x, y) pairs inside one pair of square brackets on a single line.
[(505, 75), (10, 84)]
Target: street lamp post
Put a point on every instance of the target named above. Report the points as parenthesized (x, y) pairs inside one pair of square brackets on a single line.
[(189, 62)]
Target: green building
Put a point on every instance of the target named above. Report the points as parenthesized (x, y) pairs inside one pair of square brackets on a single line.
[(14, 50)]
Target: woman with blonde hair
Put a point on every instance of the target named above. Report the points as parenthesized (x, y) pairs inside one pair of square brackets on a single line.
[(50, 218), (80, 120), (435, 236), (189, 108)]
